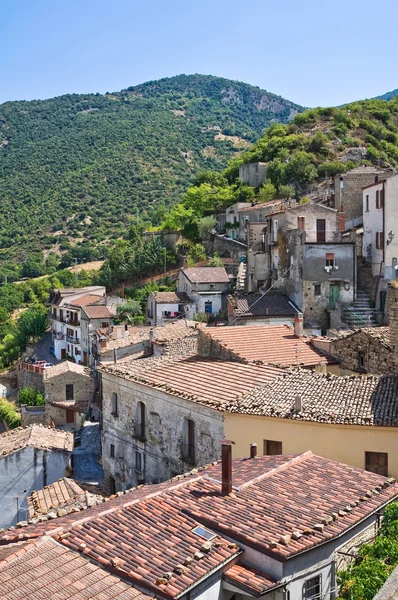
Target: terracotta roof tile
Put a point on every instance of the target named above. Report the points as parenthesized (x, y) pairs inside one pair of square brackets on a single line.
[(45, 569), (380, 334), (280, 506), (206, 274), (207, 381), (85, 300), (65, 367), (271, 344), (172, 298), (97, 311), (250, 580), (64, 494), (353, 400), (36, 436), (167, 333)]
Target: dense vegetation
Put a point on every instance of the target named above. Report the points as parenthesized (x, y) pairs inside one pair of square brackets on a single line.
[(375, 562), (318, 143), (74, 170)]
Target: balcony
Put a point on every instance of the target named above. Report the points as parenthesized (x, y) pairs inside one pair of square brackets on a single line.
[(72, 323), (66, 338)]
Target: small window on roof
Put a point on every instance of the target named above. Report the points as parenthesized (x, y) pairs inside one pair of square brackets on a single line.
[(204, 533)]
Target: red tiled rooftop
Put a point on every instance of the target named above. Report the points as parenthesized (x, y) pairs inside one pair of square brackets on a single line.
[(271, 344), (35, 436), (250, 580), (45, 569), (85, 300), (97, 312), (206, 274), (200, 379)]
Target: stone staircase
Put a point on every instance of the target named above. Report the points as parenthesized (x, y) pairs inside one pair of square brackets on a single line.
[(361, 312)]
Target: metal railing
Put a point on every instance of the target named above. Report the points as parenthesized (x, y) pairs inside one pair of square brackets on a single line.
[(65, 320)]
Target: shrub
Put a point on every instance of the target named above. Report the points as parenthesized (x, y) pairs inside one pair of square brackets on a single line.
[(31, 397), (9, 414)]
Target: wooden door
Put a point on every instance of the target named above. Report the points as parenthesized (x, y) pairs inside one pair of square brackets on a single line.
[(70, 416), (377, 462), (85, 359), (63, 353), (334, 294), (321, 230)]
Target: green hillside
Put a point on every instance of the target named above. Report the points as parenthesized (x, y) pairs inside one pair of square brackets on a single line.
[(388, 95), (317, 143), (75, 169)]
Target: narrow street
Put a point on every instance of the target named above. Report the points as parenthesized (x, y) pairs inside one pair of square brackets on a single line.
[(86, 467), (42, 349)]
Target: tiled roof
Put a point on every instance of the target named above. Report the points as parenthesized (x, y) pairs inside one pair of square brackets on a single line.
[(206, 274), (172, 298), (98, 312), (271, 344), (85, 300), (63, 367), (61, 497), (177, 330), (252, 581), (262, 305), (279, 506), (207, 381), (36, 436), (261, 206), (353, 400), (45, 569)]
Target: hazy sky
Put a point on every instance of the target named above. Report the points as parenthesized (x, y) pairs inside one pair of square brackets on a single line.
[(309, 51)]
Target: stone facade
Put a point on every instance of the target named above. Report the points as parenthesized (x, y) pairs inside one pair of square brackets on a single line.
[(29, 378), (364, 353), (32, 415), (158, 455), (253, 174)]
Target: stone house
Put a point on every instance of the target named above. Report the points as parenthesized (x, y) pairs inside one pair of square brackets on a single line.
[(69, 391), (30, 457), (207, 287), (271, 527), (92, 317), (366, 350), (241, 214), (165, 307), (160, 415), (348, 190), (253, 174), (306, 258)]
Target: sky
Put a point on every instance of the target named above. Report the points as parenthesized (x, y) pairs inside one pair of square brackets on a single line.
[(312, 52)]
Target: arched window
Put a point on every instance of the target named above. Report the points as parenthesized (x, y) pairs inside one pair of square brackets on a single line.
[(189, 441), (114, 404), (140, 424)]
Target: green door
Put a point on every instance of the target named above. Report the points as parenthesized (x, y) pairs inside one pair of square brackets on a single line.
[(334, 294)]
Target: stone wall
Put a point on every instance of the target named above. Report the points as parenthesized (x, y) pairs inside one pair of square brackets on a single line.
[(83, 387), (27, 378), (350, 197), (58, 416), (253, 173), (161, 450), (226, 247), (378, 359), (32, 415), (392, 300)]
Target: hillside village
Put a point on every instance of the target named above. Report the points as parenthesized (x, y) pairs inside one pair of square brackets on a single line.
[(242, 443)]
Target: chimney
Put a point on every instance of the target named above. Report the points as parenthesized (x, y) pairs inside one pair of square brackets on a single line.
[(341, 219), (226, 466), (298, 404), (299, 325), (119, 330), (253, 450), (115, 355), (393, 320), (151, 335)]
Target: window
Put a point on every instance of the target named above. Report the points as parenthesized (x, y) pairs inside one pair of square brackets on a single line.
[(361, 360), (275, 230), (104, 325), (114, 404), (189, 440), (379, 240), (140, 420), (204, 533), (69, 391), (377, 462), (112, 451), (301, 223), (367, 203), (317, 289), (112, 485), (138, 462), (312, 588), (208, 307), (271, 447), (321, 231), (329, 259)]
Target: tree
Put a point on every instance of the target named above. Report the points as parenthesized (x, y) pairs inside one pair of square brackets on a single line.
[(9, 350), (31, 397), (216, 261), (9, 414), (205, 226), (196, 254), (32, 324), (301, 169), (127, 312), (267, 192), (33, 267)]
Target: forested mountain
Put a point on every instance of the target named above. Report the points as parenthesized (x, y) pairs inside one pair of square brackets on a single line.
[(388, 95), (75, 169)]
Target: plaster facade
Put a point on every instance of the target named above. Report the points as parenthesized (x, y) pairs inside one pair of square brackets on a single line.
[(208, 298)]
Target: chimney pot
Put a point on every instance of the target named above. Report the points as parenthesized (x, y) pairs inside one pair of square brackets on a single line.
[(299, 325), (253, 450), (226, 467), (298, 404)]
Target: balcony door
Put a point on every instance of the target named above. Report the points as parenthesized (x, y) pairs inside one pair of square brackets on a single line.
[(321, 231)]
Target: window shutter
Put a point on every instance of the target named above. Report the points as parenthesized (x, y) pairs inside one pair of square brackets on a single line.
[(381, 239), (377, 198), (382, 198)]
